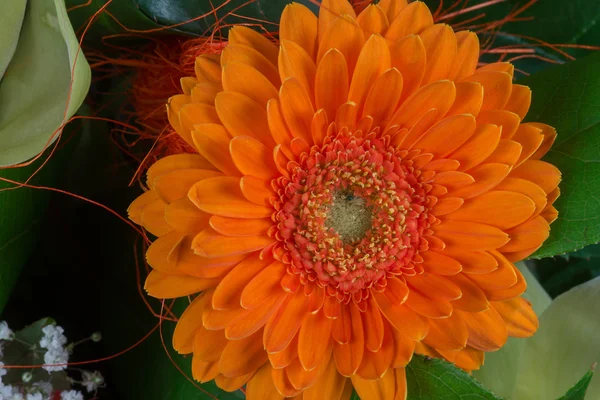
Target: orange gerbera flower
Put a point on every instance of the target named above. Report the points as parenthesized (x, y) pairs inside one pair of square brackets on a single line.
[(360, 193)]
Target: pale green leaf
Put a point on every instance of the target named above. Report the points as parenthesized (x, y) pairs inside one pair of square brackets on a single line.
[(11, 20), (566, 345), (37, 93)]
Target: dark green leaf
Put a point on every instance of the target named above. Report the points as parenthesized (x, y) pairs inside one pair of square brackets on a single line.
[(21, 211), (557, 274), (434, 379), (588, 252), (577, 392), (568, 98)]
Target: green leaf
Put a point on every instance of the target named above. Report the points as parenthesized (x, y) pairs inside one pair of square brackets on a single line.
[(577, 392), (37, 93), (433, 379), (559, 274), (12, 19), (588, 252), (568, 98), (565, 346)]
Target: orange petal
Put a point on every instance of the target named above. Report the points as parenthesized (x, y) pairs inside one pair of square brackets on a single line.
[(297, 108), (331, 82), (530, 138), (440, 47), (530, 234), (174, 185), (185, 217), (404, 348), (341, 330), (301, 378), (467, 56), (372, 323), (314, 340), (174, 105), (498, 67), (527, 188), (242, 35), (255, 190), (232, 384), (153, 217), (208, 345), (349, 356), (250, 56), (134, 212), (479, 146), (367, 71), (402, 318), (228, 293), (282, 326), (507, 120), (346, 115), (473, 262), (220, 319), (475, 236), (211, 244), (392, 386), (204, 93), (343, 34), (175, 162), (285, 357), (299, 25), (521, 321), (447, 205), (502, 277), (295, 62), (412, 19), (473, 298), (498, 208), (434, 286), (469, 359), (277, 125), (329, 12), (510, 292), (319, 127), (432, 308), (244, 79), (543, 174), (203, 371), (264, 285), (408, 57), (187, 84), (507, 152), (251, 157), (519, 101), (549, 137), (373, 20), (241, 357), (487, 330), (330, 385), (188, 324), (208, 69), (374, 365), (392, 7), (437, 263), (387, 90), (240, 227), (438, 95), (447, 333), (212, 141), (283, 384), (453, 180), (435, 140), (486, 176), (469, 98), (242, 116), (223, 196), (261, 386), (496, 88), (194, 114), (164, 286)]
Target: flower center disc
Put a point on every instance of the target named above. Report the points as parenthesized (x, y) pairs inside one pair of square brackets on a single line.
[(351, 213), (349, 216)]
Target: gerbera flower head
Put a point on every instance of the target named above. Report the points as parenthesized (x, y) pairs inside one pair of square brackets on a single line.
[(359, 193)]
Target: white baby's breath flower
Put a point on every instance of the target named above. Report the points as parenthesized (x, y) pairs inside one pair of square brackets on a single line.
[(5, 332), (91, 380), (35, 396), (71, 395), (7, 392), (54, 341)]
